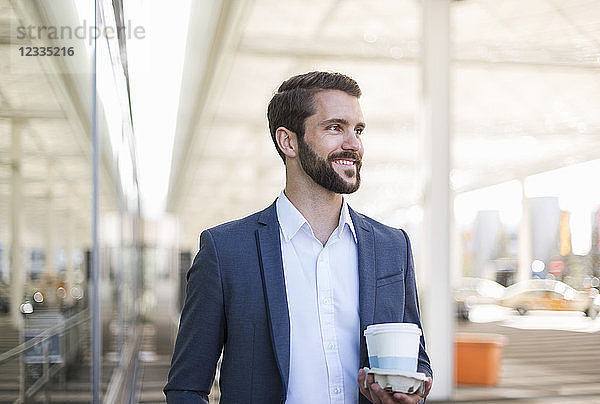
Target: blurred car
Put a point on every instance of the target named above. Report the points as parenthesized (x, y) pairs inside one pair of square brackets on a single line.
[(470, 292), (547, 294)]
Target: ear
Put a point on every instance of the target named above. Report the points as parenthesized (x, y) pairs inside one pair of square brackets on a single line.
[(287, 141)]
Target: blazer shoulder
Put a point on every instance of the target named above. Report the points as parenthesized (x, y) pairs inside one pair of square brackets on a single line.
[(383, 229), (239, 227)]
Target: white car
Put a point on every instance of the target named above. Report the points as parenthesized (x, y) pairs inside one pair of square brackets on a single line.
[(475, 291)]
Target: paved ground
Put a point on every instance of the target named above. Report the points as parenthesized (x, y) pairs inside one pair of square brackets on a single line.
[(154, 369), (549, 358)]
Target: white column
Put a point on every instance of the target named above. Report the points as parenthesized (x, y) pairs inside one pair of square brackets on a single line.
[(50, 221), (16, 256), (69, 242), (438, 308), (524, 239), (456, 247)]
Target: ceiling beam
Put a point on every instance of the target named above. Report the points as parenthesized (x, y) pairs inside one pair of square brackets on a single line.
[(472, 54), (9, 40), (205, 73), (71, 90), (21, 114)]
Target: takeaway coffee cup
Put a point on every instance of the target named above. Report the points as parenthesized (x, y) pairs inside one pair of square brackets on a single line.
[(393, 346), (371, 347)]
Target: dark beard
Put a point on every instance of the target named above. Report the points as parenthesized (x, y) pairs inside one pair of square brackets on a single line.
[(321, 171)]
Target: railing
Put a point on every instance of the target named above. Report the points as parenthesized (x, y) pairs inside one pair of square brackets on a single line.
[(122, 385), (43, 339)]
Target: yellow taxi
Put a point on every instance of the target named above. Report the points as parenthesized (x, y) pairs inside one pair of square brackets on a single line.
[(547, 294)]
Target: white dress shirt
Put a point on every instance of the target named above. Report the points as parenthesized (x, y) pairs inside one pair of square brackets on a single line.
[(322, 293)]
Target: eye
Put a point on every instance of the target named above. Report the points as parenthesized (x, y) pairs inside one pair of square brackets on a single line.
[(334, 127), (359, 131)]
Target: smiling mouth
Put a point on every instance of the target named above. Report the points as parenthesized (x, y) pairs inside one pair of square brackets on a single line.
[(345, 162)]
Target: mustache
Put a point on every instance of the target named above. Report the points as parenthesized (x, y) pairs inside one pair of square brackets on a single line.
[(346, 155)]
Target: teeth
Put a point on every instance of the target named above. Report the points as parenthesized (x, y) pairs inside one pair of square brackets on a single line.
[(345, 162)]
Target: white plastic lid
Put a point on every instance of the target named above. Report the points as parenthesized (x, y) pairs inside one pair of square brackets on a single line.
[(386, 327)]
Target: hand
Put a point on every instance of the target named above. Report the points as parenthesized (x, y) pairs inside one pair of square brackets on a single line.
[(377, 395)]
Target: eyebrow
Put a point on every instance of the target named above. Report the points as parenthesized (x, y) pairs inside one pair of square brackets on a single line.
[(340, 121)]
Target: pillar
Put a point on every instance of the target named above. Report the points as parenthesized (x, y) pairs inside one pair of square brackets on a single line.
[(50, 247), (69, 243), (524, 239), (438, 307), (16, 214)]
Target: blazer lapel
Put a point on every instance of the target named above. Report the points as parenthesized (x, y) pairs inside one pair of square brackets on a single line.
[(366, 276), (271, 266)]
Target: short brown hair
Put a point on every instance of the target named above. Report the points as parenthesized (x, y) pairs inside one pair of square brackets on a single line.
[(294, 100)]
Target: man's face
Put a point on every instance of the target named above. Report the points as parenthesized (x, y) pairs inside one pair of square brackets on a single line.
[(331, 151)]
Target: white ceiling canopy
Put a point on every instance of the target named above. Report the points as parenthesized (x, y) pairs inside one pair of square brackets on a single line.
[(525, 95)]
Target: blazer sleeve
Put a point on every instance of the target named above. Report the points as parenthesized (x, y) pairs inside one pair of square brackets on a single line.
[(411, 308), (201, 329)]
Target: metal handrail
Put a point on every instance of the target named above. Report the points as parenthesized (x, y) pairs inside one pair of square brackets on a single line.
[(46, 334), (125, 372)]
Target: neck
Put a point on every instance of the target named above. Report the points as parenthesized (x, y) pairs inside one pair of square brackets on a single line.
[(319, 206)]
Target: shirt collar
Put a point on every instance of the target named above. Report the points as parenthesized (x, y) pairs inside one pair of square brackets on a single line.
[(345, 219), (291, 220)]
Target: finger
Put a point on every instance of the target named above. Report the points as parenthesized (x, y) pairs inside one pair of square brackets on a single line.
[(413, 398), (404, 398), (428, 384), (370, 379), (361, 377), (372, 383), (384, 397), (362, 386), (378, 395)]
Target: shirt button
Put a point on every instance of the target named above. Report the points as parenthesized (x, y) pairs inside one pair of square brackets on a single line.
[(331, 345), (327, 300), (337, 390)]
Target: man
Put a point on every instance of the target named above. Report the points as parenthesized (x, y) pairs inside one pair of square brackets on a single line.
[(287, 292)]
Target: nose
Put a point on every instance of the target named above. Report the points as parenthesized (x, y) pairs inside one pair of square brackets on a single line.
[(351, 141)]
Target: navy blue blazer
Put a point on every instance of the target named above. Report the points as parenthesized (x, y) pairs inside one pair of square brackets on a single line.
[(236, 301)]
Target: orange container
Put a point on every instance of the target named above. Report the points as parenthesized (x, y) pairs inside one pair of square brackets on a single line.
[(477, 358)]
